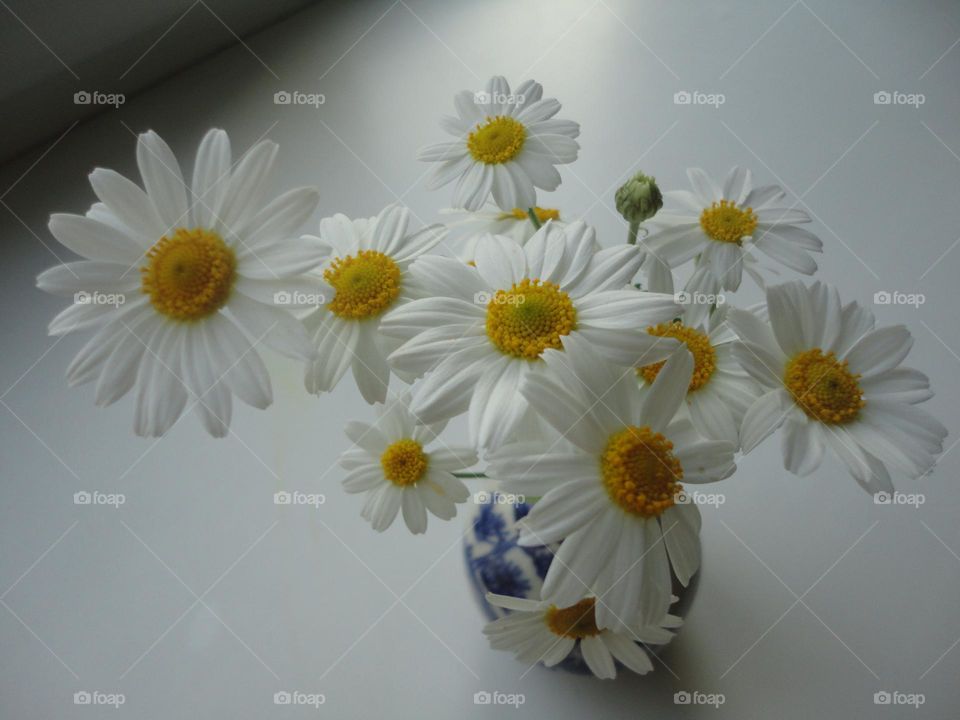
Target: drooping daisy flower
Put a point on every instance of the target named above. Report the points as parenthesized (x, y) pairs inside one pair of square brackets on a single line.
[(723, 224), (720, 391), (834, 380), (507, 145), (613, 498), (536, 631), (471, 226), (392, 465), (182, 283), (485, 328), (366, 271)]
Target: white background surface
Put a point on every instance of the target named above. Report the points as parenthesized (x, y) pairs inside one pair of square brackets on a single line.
[(201, 598)]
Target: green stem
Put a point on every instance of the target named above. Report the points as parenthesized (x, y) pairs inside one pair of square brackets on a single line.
[(533, 218), (469, 475), (634, 229)]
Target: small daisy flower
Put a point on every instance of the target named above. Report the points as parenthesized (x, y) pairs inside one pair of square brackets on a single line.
[(197, 273), (720, 225), (367, 273), (516, 224), (613, 497), (484, 328), (507, 145), (536, 631), (393, 466), (832, 379)]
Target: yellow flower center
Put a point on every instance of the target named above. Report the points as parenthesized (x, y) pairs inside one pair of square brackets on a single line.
[(640, 471), (697, 342), (404, 462), (577, 621), (543, 214), (824, 387), (725, 222), (529, 318), (365, 285), (189, 274), (496, 141)]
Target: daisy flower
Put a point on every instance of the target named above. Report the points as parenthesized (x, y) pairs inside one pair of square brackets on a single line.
[(720, 225), (485, 328), (614, 497), (536, 631), (832, 379), (720, 391), (367, 273), (515, 224), (507, 145), (392, 465), (192, 276)]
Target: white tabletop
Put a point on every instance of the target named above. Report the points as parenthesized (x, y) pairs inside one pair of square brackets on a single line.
[(201, 598)]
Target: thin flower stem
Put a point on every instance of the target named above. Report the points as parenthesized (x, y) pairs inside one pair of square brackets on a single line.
[(533, 218), (469, 475), (632, 236)]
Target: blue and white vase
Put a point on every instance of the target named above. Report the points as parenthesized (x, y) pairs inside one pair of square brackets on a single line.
[(497, 563)]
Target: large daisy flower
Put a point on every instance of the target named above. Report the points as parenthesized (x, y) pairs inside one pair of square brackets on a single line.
[(392, 465), (469, 227), (181, 283), (485, 327), (367, 273), (721, 224), (834, 380), (536, 631), (613, 497), (507, 145)]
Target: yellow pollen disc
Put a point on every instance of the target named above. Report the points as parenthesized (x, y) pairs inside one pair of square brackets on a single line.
[(189, 274), (543, 214), (824, 387), (577, 621), (529, 318), (365, 285), (497, 140), (404, 462), (697, 342), (640, 472), (725, 222)]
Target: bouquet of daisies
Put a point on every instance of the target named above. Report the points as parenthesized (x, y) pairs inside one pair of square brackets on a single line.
[(589, 380)]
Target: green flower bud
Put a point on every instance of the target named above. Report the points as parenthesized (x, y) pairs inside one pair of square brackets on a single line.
[(639, 198)]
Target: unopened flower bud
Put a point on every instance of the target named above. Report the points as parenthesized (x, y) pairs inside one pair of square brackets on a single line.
[(639, 198)]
